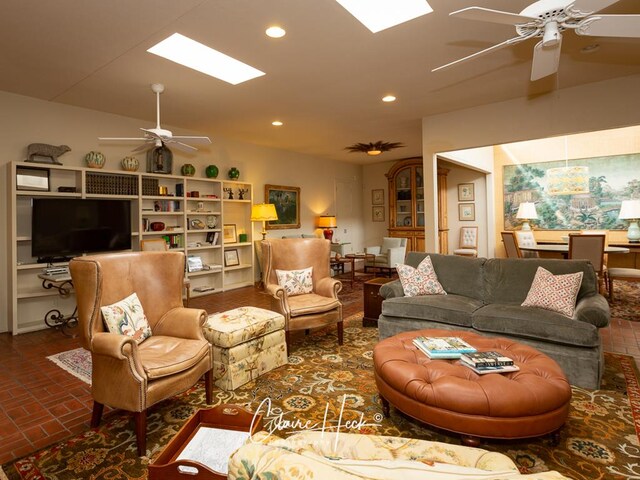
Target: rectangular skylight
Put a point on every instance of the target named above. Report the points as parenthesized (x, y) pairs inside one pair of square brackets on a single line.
[(378, 15), (192, 54)]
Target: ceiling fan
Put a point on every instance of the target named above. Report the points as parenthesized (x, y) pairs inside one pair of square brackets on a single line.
[(374, 148), (158, 136), (548, 19)]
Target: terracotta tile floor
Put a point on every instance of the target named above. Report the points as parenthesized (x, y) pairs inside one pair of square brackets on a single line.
[(41, 404)]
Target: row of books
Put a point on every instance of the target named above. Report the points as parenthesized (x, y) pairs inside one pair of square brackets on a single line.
[(456, 348)]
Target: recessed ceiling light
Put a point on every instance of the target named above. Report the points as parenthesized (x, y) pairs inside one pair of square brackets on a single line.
[(277, 123), (378, 15), (192, 54), (388, 98), (275, 32), (593, 48)]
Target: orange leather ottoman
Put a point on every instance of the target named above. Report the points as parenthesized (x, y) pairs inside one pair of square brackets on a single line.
[(531, 402)]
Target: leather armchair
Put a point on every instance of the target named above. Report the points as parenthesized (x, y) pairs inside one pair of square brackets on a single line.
[(133, 376), (310, 310), (388, 255)]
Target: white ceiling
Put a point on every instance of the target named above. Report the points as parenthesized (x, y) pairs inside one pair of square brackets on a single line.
[(324, 79)]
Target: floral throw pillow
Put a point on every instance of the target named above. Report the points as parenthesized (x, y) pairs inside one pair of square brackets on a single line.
[(420, 281), (557, 293), (126, 317), (296, 282)]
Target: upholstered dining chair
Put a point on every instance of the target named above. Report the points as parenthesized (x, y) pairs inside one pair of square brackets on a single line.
[(510, 244), (525, 238), (126, 374), (589, 247), (303, 311), (468, 244)]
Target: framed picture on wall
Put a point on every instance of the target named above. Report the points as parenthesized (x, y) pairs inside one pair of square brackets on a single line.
[(466, 212), (377, 196), (377, 214), (287, 203), (466, 192)]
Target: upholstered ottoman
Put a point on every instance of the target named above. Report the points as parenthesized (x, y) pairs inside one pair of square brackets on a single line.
[(531, 402), (247, 342)]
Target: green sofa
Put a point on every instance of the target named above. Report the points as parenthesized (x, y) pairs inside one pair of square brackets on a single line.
[(484, 295)]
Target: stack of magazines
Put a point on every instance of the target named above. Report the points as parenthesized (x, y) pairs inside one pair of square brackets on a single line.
[(488, 362), (442, 347)]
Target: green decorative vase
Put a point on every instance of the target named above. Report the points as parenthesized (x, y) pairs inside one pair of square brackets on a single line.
[(95, 159), (188, 170), (211, 171), (130, 164), (234, 173)]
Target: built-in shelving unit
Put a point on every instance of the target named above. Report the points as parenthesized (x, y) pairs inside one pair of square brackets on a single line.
[(188, 213)]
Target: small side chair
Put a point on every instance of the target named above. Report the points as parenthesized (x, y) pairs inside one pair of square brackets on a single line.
[(468, 244)]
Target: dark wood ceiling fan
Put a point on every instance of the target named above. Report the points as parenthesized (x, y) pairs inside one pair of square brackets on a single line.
[(374, 148)]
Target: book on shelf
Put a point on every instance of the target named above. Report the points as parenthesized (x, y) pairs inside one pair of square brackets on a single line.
[(487, 359), (494, 369), (442, 347)]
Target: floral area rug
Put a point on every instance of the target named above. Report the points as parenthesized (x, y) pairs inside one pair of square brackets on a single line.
[(77, 362), (599, 441), (626, 303)]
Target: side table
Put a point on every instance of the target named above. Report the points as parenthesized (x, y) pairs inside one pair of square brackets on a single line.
[(373, 301), (54, 318)]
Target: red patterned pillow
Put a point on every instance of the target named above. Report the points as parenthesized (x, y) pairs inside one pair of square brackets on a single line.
[(557, 293), (419, 281)]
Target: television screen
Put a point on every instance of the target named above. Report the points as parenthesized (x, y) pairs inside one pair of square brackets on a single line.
[(66, 227)]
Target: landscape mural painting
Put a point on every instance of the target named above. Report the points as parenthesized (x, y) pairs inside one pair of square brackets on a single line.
[(611, 180)]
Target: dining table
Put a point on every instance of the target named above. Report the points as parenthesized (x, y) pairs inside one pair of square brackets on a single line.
[(563, 249)]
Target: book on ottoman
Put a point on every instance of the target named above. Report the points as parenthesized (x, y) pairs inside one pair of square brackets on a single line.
[(443, 347)]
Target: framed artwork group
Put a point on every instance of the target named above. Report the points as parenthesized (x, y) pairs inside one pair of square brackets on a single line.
[(466, 210)]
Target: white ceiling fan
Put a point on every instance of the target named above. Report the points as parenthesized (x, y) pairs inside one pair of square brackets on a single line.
[(156, 137), (548, 19)]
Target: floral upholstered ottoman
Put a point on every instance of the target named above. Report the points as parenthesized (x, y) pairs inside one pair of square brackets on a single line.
[(247, 342)]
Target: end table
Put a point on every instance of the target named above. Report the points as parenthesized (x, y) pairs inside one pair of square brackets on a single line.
[(373, 301)]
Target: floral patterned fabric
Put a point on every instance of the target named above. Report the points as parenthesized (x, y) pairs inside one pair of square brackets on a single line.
[(240, 325), (557, 293), (310, 455), (296, 282), (420, 281), (127, 317)]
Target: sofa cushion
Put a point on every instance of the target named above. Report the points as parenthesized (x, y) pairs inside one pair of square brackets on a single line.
[(450, 309), (537, 323), (554, 292), (508, 280), (420, 281)]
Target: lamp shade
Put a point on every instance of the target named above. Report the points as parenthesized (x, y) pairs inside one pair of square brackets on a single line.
[(263, 212), (327, 221), (629, 210), (568, 180), (527, 211)]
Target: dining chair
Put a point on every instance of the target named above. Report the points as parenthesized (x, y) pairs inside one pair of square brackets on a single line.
[(589, 247), (468, 244), (525, 238), (511, 244)]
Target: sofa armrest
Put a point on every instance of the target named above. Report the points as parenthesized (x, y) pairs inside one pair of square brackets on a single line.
[(182, 323), (391, 290), (372, 250), (593, 309)]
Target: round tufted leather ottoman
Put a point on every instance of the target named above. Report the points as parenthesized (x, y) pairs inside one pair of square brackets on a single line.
[(531, 402)]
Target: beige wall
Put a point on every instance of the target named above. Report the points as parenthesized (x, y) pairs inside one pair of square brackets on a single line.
[(27, 120), (374, 178), (591, 107)]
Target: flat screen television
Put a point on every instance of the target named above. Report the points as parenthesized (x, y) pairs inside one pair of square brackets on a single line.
[(62, 228)]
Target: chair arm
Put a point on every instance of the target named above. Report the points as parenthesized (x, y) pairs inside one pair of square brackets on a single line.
[(395, 256), (372, 250), (280, 295), (593, 309), (182, 322), (391, 290), (118, 347), (328, 287)]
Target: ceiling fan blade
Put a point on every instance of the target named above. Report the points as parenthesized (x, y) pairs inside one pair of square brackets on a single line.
[(496, 16), (123, 139), (511, 41), (181, 146), (545, 60), (610, 26), (587, 7), (190, 139), (142, 148)]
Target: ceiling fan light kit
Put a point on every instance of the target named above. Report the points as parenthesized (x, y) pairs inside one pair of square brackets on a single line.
[(548, 19), (374, 148)]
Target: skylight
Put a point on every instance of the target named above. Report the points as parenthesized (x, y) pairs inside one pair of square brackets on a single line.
[(378, 15), (195, 55)]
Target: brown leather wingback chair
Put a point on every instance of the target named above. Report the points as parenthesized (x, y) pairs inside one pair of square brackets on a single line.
[(133, 376), (310, 310)]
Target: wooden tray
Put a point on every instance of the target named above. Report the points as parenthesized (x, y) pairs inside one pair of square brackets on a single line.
[(226, 416)]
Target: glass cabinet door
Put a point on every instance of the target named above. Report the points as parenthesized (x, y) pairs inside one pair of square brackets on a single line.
[(404, 198), (419, 197)]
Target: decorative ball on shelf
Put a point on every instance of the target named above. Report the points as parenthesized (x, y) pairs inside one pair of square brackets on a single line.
[(95, 159), (211, 171), (234, 173), (130, 164), (188, 170)]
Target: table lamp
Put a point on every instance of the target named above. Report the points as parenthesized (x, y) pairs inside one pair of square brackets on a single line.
[(327, 222), (630, 210), (263, 212), (526, 212)]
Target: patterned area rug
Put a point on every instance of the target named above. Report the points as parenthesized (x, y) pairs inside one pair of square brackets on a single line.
[(77, 362), (627, 301), (599, 441)]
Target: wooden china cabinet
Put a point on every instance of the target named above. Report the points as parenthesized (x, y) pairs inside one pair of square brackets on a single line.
[(406, 202)]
